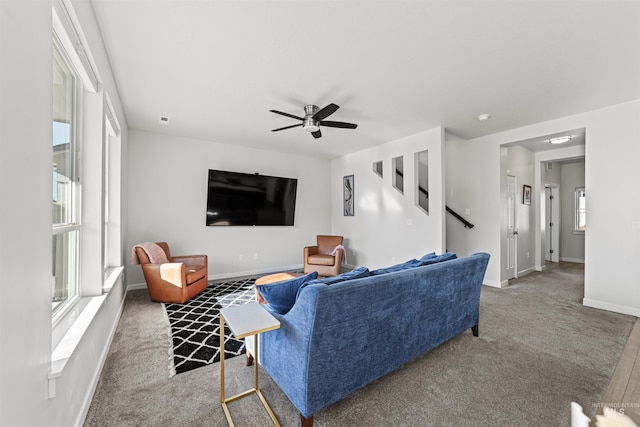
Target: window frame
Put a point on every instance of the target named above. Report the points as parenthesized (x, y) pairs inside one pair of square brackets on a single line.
[(73, 222)]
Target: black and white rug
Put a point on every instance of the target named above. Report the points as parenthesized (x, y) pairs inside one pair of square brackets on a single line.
[(195, 325)]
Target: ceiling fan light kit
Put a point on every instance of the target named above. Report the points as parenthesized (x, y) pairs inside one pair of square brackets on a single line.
[(314, 118)]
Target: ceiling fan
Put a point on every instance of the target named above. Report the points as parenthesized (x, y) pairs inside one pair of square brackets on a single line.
[(314, 117)]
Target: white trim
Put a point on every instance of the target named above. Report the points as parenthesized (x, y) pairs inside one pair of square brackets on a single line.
[(579, 261), (527, 271), (88, 398), (495, 284), (66, 27), (611, 307), (64, 350)]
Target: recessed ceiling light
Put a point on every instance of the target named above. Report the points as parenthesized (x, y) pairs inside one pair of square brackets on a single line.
[(483, 117), (560, 139), (164, 120)]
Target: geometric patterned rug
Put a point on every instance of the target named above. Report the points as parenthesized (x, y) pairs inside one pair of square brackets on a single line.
[(195, 325)]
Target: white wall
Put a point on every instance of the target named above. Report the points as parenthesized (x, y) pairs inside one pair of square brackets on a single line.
[(612, 248), (387, 226), (25, 231), (571, 243), (168, 197)]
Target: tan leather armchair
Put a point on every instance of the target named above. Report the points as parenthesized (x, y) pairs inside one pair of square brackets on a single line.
[(319, 258), (177, 281)]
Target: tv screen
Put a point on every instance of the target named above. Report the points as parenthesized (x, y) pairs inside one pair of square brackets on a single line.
[(235, 198)]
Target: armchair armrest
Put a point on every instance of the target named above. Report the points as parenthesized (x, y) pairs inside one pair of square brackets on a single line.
[(191, 260), (310, 250), (171, 272)]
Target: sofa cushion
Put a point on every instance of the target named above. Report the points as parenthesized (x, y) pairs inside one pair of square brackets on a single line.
[(426, 260), (356, 273), (397, 267), (280, 296)]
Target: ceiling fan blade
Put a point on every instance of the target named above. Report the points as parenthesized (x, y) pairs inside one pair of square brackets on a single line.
[(287, 127), (338, 125), (325, 112), (317, 134), (287, 115)]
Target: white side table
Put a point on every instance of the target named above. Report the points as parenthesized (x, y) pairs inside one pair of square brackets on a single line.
[(245, 320)]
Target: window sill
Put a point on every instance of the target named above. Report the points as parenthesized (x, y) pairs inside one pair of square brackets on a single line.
[(578, 232), (64, 350)]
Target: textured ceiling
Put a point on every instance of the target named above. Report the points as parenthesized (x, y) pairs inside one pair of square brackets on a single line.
[(395, 68)]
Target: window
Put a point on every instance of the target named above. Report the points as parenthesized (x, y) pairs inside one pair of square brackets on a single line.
[(397, 179), (65, 215), (581, 210)]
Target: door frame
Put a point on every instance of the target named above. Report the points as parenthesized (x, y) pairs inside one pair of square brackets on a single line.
[(552, 234)]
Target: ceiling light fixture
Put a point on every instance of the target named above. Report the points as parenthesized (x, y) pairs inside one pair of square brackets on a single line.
[(483, 117), (560, 139)]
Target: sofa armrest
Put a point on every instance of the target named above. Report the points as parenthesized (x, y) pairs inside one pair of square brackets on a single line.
[(284, 352), (173, 273)]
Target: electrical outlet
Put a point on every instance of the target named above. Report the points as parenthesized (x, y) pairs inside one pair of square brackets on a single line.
[(255, 255), (467, 211), (240, 257), (635, 225)]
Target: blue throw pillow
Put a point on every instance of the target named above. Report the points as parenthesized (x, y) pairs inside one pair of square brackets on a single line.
[(397, 267), (356, 273), (439, 258), (281, 296)]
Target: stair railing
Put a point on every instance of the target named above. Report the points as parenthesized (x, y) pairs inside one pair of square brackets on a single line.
[(466, 223)]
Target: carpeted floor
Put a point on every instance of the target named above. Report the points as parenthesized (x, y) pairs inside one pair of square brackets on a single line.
[(538, 350)]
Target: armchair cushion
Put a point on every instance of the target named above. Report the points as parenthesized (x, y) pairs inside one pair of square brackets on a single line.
[(321, 259)]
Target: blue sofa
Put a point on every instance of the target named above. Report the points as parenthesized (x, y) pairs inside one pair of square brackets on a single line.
[(337, 338)]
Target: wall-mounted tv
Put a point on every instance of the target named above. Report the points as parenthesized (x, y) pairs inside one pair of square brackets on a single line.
[(235, 198)]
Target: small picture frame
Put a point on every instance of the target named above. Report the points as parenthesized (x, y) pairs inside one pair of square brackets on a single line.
[(348, 196), (526, 194)]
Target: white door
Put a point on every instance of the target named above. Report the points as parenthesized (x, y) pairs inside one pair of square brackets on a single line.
[(552, 224), (512, 233)]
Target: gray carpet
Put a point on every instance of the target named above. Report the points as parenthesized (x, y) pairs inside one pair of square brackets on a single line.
[(538, 350)]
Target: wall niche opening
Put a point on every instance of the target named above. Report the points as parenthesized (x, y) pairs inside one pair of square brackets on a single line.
[(377, 168), (422, 179), (397, 180)]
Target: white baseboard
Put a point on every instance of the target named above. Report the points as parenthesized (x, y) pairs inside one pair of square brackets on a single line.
[(611, 307), (495, 284), (527, 271), (102, 360), (579, 261)]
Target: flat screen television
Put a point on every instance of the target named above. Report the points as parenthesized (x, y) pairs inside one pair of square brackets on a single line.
[(235, 198)]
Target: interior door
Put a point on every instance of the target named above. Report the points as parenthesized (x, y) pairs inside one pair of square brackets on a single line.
[(512, 233)]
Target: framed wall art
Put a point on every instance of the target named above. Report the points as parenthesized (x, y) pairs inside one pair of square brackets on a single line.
[(526, 194), (348, 197)]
